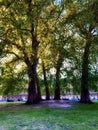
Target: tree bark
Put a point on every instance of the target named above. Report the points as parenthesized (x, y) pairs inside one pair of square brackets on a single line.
[(32, 93), (57, 91), (46, 83), (32, 60), (85, 96), (33, 96), (57, 87), (38, 89)]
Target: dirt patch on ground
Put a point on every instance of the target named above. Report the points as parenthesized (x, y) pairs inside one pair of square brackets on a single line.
[(55, 103), (50, 103)]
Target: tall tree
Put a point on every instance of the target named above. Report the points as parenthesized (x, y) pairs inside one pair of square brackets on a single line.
[(86, 22), (21, 32)]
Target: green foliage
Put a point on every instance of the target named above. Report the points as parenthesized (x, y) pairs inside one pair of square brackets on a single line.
[(13, 83), (61, 30)]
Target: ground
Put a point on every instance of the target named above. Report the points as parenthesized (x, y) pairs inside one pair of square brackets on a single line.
[(55, 103), (50, 115)]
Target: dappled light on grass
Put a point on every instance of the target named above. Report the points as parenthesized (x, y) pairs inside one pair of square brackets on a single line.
[(22, 117)]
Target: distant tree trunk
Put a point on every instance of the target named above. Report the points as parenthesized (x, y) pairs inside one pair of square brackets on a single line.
[(85, 96), (39, 90), (46, 83), (57, 87)]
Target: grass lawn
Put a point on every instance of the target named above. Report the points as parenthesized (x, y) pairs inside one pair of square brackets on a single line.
[(21, 117)]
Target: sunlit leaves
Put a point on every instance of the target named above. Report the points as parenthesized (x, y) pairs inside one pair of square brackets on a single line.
[(60, 27)]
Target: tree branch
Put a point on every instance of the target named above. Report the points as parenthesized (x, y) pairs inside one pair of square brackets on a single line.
[(8, 52)]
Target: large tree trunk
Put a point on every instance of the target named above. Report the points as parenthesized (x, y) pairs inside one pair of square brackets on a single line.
[(57, 91), (85, 96), (38, 89), (32, 93), (57, 87), (32, 60), (33, 96), (46, 83)]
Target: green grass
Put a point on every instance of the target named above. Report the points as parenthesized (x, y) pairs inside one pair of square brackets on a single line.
[(21, 117)]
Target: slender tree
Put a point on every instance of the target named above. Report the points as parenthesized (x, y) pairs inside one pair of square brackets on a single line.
[(45, 82), (85, 21)]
